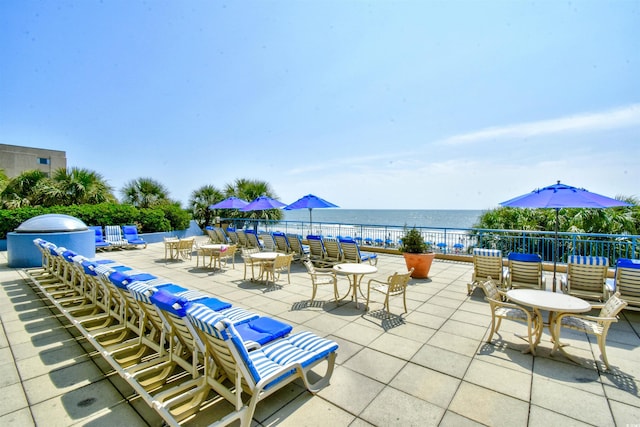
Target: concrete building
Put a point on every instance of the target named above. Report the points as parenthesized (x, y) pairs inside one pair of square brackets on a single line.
[(15, 159)]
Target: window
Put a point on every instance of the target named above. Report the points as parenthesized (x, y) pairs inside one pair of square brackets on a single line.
[(43, 161)]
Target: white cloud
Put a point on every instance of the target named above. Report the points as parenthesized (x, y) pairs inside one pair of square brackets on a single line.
[(611, 119)]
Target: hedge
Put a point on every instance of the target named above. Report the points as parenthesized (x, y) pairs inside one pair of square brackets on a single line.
[(162, 218)]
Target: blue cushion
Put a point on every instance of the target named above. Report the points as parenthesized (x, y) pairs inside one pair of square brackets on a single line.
[(214, 304), (628, 263), (121, 280), (171, 288), (515, 256), (263, 330), (167, 301)]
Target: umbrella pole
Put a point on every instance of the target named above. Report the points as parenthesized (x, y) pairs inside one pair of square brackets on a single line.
[(310, 222), (555, 249)]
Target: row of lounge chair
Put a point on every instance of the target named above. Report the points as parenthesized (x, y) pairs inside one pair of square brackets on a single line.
[(326, 251), (586, 276), (116, 237), (320, 250), (181, 350)]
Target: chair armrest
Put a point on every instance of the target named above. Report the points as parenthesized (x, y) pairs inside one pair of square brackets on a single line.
[(376, 281)]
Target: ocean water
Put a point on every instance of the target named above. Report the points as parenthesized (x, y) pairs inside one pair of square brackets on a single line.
[(398, 217)]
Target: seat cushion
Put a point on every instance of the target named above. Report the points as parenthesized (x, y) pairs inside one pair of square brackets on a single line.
[(263, 330)]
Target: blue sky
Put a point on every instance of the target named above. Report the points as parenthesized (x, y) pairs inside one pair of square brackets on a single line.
[(368, 104)]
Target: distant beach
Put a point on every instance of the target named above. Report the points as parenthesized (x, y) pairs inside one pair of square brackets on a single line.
[(399, 217)]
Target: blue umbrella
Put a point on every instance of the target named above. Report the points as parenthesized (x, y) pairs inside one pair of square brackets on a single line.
[(559, 196), (310, 202), (263, 203), (230, 203)]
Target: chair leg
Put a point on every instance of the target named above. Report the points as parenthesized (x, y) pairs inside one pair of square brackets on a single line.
[(603, 351)]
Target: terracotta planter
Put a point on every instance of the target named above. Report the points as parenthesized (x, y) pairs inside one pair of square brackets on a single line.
[(421, 264)]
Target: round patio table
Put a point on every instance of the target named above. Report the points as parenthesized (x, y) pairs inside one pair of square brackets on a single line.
[(554, 303), (262, 258), (357, 272), (213, 251)]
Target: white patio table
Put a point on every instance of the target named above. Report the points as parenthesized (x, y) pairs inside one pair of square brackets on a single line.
[(357, 272), (552, 302)]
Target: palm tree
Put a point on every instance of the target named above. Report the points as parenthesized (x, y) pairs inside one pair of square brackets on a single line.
[(200, 201), (21, 190), (4, 180), (76, 186), (145, 193), (249, 189)]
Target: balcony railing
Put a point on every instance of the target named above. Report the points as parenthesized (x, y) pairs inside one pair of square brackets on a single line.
[(463, 240)]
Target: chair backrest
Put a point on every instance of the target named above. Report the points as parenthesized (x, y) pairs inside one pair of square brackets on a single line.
[(295, 242), (397, 283), (309, 266), (242, 238), (213, 237), (282, 261), (487, 263), (490, 290), (113, 235), (219, 232), (586, 276), (130, 231), (333, 250), (316, 246), (268, 242), (350, 250), (627, 281), (252, 239), (233, 236), (525, 270), (224, 344), (186, 243), (282, 243), (613, 306), (99, 235)]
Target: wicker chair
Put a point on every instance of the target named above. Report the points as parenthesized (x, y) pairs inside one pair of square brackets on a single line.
[(395, 284), (594, 325), (321, 276), (184, 248), (281, 264), (487, 263), (500, 309)]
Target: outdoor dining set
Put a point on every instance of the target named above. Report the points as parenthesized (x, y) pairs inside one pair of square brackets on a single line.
[(518, 292)]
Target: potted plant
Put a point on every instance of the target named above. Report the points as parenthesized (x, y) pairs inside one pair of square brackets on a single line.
[(417, 253)]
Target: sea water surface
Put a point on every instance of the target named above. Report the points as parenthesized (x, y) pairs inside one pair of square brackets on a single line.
[(398, 217)]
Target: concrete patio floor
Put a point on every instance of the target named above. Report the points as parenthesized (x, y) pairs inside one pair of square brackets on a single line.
[(430, 366)]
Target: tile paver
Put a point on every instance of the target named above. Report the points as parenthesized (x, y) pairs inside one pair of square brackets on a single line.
[(430, 366)]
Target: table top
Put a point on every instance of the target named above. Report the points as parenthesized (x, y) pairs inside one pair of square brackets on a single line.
[(264, 255), (214, 246), (551, 301), (354, 268)]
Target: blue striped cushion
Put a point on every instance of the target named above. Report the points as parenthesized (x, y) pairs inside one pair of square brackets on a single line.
[(238, 315), (207, 320), (487, 252), (587, 260)]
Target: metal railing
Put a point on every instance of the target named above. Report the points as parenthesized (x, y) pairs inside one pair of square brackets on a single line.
[(463, 240)]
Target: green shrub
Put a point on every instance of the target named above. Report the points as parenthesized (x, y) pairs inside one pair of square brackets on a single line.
[(162, 218)]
